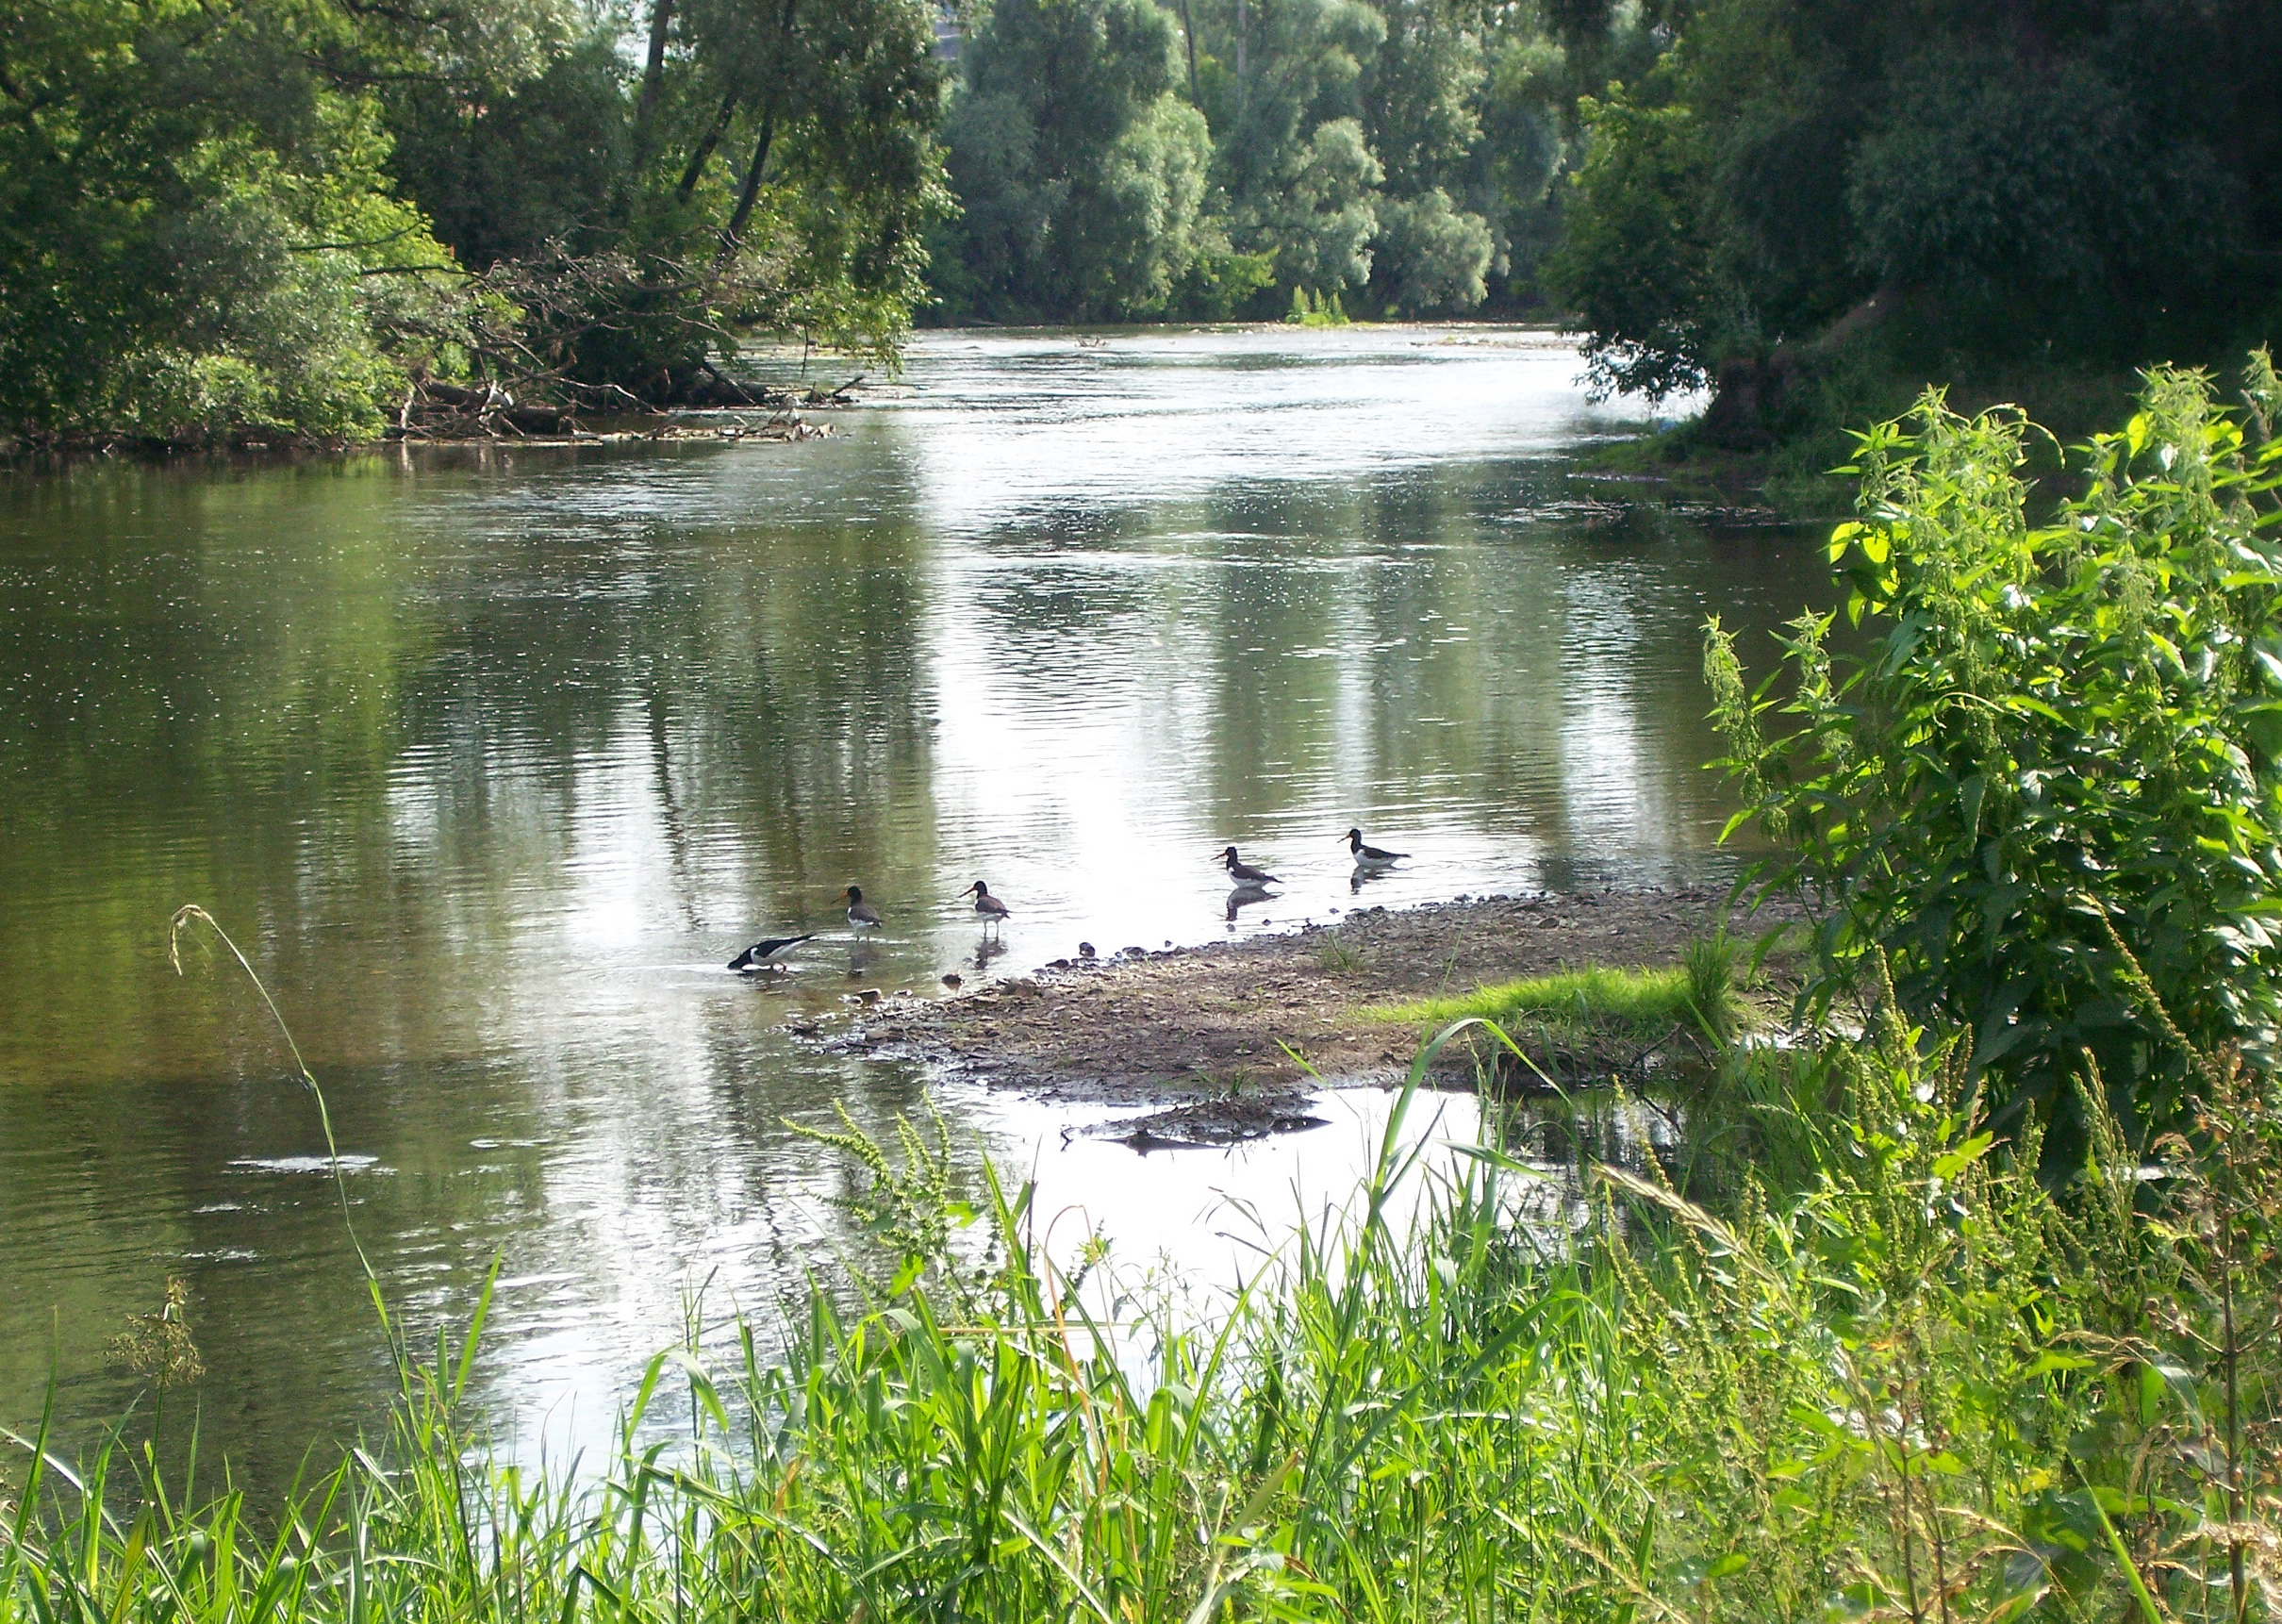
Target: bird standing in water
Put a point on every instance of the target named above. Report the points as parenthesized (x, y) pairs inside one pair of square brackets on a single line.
[(1371, 857), (989, 908), (859, 911), (1244, 873), (757, 957)]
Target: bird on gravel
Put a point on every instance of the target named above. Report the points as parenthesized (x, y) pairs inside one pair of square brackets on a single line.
[(859, 911), (757, 957), (989, 908), (1371, 857), (1243, 872)]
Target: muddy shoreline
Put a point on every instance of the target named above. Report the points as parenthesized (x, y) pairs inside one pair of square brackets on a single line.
[(1221, 1023)]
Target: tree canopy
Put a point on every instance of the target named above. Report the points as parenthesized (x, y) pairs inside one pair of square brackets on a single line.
[(1211, 158), (1937, 190), (233, 217)]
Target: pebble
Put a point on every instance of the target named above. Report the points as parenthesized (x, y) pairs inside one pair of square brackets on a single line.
[(952, 978)]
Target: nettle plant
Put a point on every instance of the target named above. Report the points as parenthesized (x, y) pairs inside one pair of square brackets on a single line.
[(2055, 728)]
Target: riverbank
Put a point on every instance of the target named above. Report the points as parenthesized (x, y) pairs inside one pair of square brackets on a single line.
[(1262, 1020)]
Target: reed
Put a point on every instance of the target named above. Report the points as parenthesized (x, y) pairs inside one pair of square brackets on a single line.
[(1895, 1377)]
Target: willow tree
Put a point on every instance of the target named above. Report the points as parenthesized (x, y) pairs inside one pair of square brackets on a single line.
[(1080, 169)]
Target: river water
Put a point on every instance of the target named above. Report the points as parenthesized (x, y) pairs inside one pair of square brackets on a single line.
[(491, 759)]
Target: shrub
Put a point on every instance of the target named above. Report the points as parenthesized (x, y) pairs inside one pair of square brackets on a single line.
[(2062, 740)]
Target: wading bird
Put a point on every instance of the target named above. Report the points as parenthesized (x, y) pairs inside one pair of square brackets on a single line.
[(757, 957), (1371, 857), (992, 910), (1244, 873), (859, 911)]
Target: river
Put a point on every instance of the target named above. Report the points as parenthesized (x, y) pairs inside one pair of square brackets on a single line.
[(491, 759)]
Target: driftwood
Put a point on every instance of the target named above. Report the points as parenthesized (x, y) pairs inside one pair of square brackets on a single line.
[(441, 412), (719, 390), (433, 409), (437, 410)]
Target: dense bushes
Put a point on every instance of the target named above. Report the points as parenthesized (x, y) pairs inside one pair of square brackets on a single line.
[(2057, 767)]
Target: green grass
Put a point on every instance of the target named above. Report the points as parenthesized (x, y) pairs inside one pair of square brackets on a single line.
[(1337, 959), (1648, 1001), (1602, 1007), (1891, 1376)]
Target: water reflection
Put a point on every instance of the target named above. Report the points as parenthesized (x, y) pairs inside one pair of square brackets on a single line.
[(1247, 896), (1211, 1216), (493, 760)]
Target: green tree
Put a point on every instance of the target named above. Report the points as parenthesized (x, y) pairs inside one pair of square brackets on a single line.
[(1431, 255), (1524, 106), (769, 165), (1634, 260), (1422, 99), (1294, 164), (1798, 186), (198, 236), (253, 218), (2032, 201), (1080, 172), (519, 167)]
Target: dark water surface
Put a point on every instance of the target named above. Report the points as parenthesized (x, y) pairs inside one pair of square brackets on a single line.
[(491, 760)]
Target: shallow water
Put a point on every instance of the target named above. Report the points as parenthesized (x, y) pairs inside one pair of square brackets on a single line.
[(491, 760)]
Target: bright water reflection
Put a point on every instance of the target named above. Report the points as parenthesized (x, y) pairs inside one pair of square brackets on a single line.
[(492, 760)]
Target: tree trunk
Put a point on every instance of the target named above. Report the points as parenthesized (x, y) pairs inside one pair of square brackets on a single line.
[(653, 74), (1239, 58), (751, 193), (1188, 32), (695, 170)]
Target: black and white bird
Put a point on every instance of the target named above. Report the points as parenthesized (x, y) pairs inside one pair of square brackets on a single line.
[(1243, 872), (859, 911), (989, 908), (757, 957), (1371, 857)]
